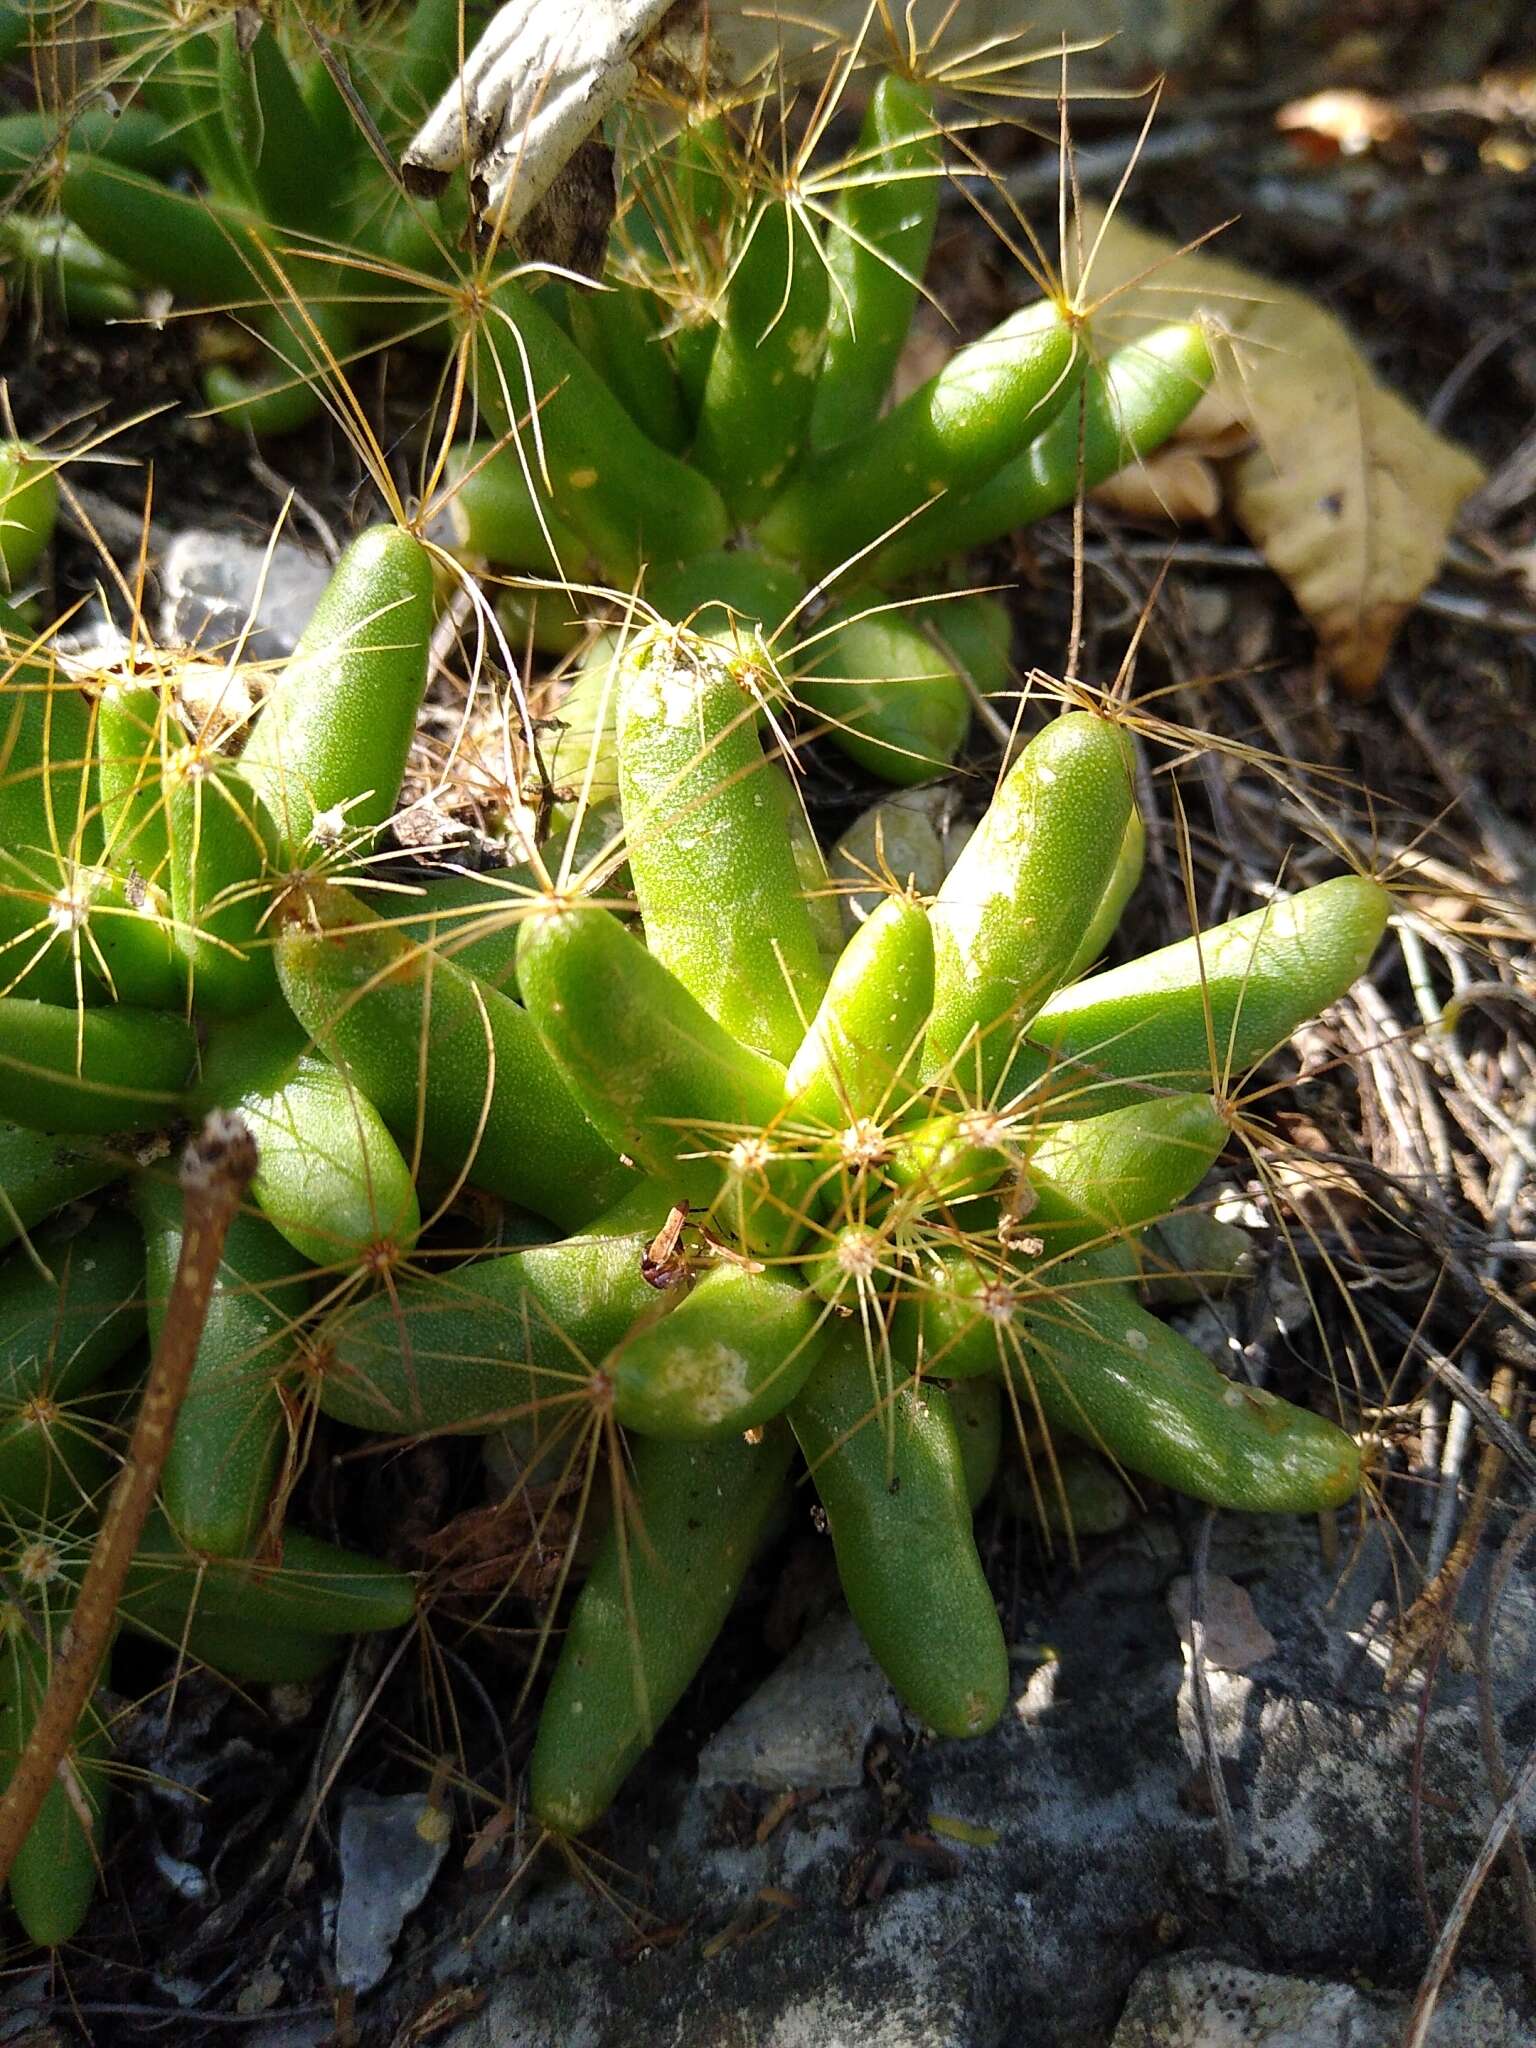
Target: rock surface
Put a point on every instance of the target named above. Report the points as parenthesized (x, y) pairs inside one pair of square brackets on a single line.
[(810, 1723), (390, 1853), (1197, 2002), (218, 586), (1014, 1890)]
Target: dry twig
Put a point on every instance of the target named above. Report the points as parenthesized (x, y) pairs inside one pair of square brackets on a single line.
[(216, 1169), (1234, 1856)]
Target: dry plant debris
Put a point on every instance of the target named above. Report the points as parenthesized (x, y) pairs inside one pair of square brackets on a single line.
[(1349, 493)]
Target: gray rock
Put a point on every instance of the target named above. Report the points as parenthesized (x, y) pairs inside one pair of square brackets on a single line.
[(1200, 2002), (23, 2016), (212, 583), (290, 2033), (909, 840), (390, 1853), (810, 1724), (1008, 1893)]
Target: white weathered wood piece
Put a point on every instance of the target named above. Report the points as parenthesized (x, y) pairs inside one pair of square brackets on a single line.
[(538, 82)]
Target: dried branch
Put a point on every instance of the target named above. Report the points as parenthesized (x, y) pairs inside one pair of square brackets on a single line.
[(1234, 1855), (216, 1170), (1450, 1934), (530, 93), (1516, 1861)]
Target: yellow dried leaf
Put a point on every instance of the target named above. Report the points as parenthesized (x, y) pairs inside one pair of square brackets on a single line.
[(953, 1829), (1347, 491)]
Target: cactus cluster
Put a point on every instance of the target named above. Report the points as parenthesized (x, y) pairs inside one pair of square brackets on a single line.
[(853, 1201), (789, 1210)]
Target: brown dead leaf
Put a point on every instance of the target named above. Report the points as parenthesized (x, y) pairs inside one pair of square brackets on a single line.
[(516, 1545), (1312, 1181), (1179, 482), (1339, 122), (1218, 425), (1235, 1638), (1349, 493), (1175, 483)]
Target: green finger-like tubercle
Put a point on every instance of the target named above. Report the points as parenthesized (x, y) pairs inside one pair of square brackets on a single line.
[(266, 1656), (47, 822), (899, 1514), (877, 250), (1192, 1256), (619, 330), (756, 408), (628, 499), (728, 1358), (224, 856), (860, 1055), (710, 853), (129, 940), (976, 1409), (713, 591), (1112, 1173), (496, 511), (207, 251), (1221, 1000), (53, 1878), (40, 1173), (330, 743), (329, 1176), (893, 846), (519, 1334), (69, 1313), (1118, 891), (287, 389), (988, 402), (1099, 1366), (975, 630), (958, 1316), (940, 1161), (49, 256), (29, 508), (90, 1072), (818, 892), (137, 735), (293, 170), (654, 1601), (1011, 914), (892, 701), (450, 1063), (300, 1583), (128, 135), (1131, 404), (657, 1075)]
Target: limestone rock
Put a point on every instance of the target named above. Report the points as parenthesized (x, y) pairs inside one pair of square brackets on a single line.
[(215, 583), (1010, 1892), (1201, 2002)]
